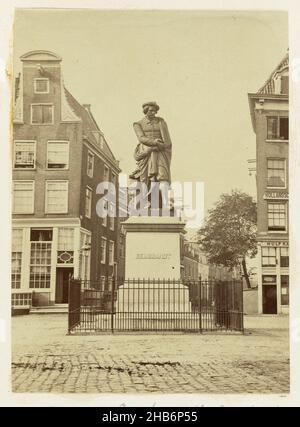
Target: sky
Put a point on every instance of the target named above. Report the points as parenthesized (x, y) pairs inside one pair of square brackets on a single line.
[(198, 66)]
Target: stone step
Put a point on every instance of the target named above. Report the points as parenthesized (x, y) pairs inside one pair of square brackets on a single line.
[(50, 309)]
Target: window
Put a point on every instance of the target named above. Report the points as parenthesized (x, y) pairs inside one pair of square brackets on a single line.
[(23, 299), (102, 283), (272, 127), (276, 173), (58, 155), (40, 265), (277, 128), (88, 202), (121, 246), (24, 156), (23, 197), (65, 239), (41, 114), (284, 128), (284, 85), (104, 219), (103, 250), (109, 284), (276, 216), (285, 290), (111, 250), (40, 235), (16, 258), (41, 85), (90, 164), (65, 246), (111, 216), (284, 257), (268, 256), (56, 197), (106, 174)]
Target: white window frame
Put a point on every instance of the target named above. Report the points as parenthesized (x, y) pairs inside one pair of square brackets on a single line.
[(39, 79), (24, 141), (46, 196), (268, 256), (103, 261), (68, 155), (285, 170), (42, 103), (111, 262), (286, 218), (278, 128), (90, 203), (91, 174), (33, 196)]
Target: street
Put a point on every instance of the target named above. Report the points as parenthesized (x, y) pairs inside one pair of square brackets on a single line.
[(45, 359)]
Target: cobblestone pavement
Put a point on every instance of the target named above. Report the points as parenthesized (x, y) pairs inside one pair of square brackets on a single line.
[(45, 359)]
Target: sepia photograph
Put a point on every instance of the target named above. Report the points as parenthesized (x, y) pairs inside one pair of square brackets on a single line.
[(150, 234)]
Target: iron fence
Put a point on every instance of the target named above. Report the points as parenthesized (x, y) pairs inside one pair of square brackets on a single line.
[(155, 306)]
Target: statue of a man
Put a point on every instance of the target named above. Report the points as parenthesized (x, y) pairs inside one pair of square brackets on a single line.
[(154, 150)]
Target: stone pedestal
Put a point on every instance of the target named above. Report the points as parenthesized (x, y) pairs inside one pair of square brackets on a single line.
[(153, 267)]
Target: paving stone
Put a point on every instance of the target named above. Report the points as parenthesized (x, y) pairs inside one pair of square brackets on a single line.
[(183, 363)]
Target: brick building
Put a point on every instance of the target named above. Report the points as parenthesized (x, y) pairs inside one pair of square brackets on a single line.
[(269, 109), (60, 155), (196, 266)]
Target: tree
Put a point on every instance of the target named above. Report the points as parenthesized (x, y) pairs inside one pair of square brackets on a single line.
[(229, 232)]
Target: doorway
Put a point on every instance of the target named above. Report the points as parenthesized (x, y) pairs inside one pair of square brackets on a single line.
[(62, 284), (270, 299)]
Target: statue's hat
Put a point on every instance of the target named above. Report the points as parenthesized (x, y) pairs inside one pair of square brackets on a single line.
[(151, 103)]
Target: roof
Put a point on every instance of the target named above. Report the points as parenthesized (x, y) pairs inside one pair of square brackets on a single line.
[(268, 90), (90, 126), (269, 86)]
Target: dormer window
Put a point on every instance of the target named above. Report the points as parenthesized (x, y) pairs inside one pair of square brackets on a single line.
[(41, 85)]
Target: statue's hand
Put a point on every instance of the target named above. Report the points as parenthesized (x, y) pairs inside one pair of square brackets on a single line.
[(160, 146), (158, 141)]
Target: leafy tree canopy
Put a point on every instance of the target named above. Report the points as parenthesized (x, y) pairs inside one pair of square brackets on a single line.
[(229, 232)]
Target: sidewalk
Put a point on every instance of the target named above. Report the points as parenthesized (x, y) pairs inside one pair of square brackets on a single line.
[(274, 322), (45, 359)]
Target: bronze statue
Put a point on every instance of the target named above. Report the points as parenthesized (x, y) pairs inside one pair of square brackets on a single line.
[(154, 150)]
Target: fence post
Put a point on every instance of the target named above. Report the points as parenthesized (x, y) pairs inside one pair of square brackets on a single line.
[(69, 311), (242, 307), (112, 304), (200, 304)]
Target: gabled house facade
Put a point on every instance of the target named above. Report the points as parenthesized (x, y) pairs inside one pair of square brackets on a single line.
[(59, 156), (269, 109)]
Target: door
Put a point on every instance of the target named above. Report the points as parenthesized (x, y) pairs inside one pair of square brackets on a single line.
[(62, 284), (270, 299)]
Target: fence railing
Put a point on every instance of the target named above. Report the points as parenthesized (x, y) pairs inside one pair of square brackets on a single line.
[(156, 305)]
